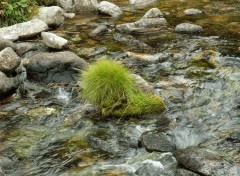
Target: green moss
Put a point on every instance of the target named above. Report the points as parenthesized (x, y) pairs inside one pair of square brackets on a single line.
[(110, 86)]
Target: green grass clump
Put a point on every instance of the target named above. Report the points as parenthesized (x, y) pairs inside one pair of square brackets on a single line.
[(111, 87)]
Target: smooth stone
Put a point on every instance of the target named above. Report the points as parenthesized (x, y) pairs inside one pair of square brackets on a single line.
[(6, 43), (100, 29), (24, 47), (188, 28), (108, 8), (85, 5), (141, 3), (53, 41), (7, 85), (192, 11)]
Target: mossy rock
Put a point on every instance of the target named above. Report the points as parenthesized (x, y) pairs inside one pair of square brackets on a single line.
[(206, 59), (110, 86)]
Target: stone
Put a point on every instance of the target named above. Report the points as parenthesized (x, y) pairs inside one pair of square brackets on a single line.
[(157, 142), (141, 3), (142, 83), (22, 48), (149, 23), (69, 15), (23, 30), (129, 40), (144, 56), (9, 61), (100, 29), (53, 16), (66, 4), (53, 41), (108, 8), (205, 163), (54, 67), (6, 43), (188, 28), (207, 58), (7, 85), (192, 11), (183, 172), (85, 5)]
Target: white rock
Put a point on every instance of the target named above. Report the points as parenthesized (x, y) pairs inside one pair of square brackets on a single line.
[(141, 2), (192, 11), (109, 9), (69, 15), (23, 30), (85, 5), (188, 28), (153, 13), (53, 41), (66, 4)]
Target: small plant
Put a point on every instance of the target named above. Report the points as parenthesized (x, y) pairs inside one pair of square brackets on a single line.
[(111, 87)]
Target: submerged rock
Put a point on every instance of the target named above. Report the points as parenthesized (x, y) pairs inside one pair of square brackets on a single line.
[(7, 85), (188, 28), (53, 41), (108, 8), (206, 163), (192, 11), (54, 67), (100, 29), (9, 61), (85, 5), (149, 23), (23, 30)]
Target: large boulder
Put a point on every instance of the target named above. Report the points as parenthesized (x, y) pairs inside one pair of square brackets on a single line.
[(6, 43), (23, 30), (85, 5), (53, 16), (54, 67), (205, 163), (53, 41), (188, 28), (140, 3), (108, 8), (9, 61), (7, 85), (151, 22)]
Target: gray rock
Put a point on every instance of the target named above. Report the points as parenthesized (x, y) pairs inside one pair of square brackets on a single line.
[(141, 3), (23, 48), (53, 41), (188, 28), (7, 85), (150, 168), (53, 16), (54, 67), (108, 8), (151, 22), (129, 40), (142, 83), (205, 163), (66, 4), (9, 61), (183, 172), (6, 43), (192, 11), (85, 5), (23, 30), (157, 142), (101, 29)]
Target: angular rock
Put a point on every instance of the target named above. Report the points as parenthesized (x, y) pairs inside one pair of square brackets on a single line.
[(205, 163), (140, 3), (23, 48), (101, 29), (54, 67), (108, 8), (66, 4), (53, 41), (23, 30), (153, 13), (9, 61), (157, 142), (85, 5), (148, 23), (7, 85), (53, 16), (6, 43), (188, 28), (192, 11)]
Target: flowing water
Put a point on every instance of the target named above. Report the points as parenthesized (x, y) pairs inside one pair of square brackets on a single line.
[(52, 132)]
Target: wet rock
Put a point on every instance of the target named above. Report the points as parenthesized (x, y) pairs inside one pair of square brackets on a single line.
[(153, 13), (183, 172), (25, 47), (192, 11), (9, 61), (90, 52), (40, 112), (54, 67), (150, 168), (108, 8), (85, 5), (7, 85), (205, 163), (157, 142), (6, 43), (100, 29), (188, 28), (23, 30), (129, 40), (69, 15), (207, 58), (140, 3), (66, 4), (144, 56), (53, 16), (145, 25), (53, 41)]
